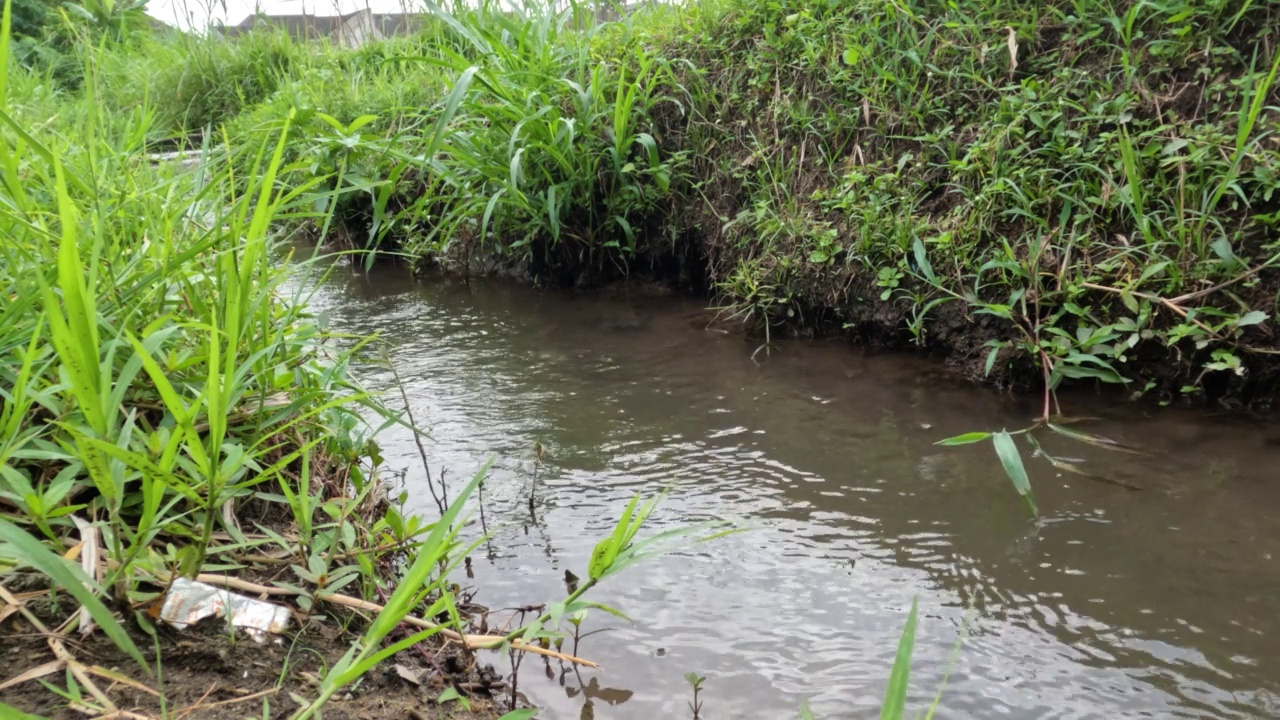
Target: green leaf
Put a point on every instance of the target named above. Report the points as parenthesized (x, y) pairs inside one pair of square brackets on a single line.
[(895, 694), (991, 360), (851, 55), (450, 693), (805, 712), (71, 578), (8, 712), (651, 148), (450, 107), (965, 439), (609, 609), (4, 57), (1011, 459), (922, 260), (1222, 248), (360, 122), (1080, 371), (1127, 298), (599, 559), (1252, 318), (1152, 271), (1173, 146), (1091, 439), (522, 714)]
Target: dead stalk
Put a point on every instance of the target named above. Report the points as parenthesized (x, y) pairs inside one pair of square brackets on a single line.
[(441, 503)]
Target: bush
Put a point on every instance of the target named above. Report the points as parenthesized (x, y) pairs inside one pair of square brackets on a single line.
[(212, 80)]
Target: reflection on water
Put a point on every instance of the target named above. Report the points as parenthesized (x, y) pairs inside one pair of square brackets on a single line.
[(1154, 603)]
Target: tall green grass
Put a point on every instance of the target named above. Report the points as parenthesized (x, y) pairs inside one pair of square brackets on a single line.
[(158, 375), (910, 171), (154, 372), (1098, 178), (550, 161)]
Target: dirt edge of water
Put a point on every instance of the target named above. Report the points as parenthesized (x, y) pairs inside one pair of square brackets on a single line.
[(205, 672), (956, 336)]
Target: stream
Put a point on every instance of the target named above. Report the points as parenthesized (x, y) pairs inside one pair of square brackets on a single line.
[(1118, 603)]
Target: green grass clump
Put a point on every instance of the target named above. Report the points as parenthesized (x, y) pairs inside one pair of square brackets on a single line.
[(1047, 190), (155, 371), (162, 380), (207, 81), (552, 161), (1043, 192)]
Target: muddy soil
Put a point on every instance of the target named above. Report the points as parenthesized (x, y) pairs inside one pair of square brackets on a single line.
[(204, 672)]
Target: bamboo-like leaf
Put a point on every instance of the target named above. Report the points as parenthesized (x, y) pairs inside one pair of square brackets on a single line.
[(451, 103), (895, 694), (5, 24), (1011, 459), (1095, 440), (415, 585), (8, 712), (964, 439)]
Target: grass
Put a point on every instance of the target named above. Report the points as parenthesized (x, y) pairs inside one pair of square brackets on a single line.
[(1026, 174), (1071, 192), (1061, 192), (161, 383)]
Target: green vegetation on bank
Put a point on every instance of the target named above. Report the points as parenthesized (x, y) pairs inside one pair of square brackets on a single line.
[(1036, 191), (1066, 189), (1046, 191), (1040, 192), (170, 408)]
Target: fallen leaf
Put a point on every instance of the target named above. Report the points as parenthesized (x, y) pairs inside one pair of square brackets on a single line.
[(406, 674), (38, 671), (1012, 41)]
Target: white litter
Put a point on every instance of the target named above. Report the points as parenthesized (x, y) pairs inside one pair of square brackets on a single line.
[(189, 602)]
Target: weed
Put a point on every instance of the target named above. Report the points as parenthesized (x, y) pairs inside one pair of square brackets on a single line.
[(695, 683)]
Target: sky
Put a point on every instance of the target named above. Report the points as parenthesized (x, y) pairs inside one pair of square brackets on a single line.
[(190, 14)]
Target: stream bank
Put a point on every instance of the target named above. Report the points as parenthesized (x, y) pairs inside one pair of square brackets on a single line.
[(211, 674), (1041, 194), (1146, 596)]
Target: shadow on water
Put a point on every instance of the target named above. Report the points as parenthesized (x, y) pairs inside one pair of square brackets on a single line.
[(1118, 603)]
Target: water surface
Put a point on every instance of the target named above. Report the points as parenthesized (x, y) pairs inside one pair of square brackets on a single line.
[(1117, 604)]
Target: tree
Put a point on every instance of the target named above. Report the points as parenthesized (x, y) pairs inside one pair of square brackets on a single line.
[(29, 17), (117, 19)]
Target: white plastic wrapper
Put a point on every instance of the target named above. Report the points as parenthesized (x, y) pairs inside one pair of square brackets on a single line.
[(189, 602)]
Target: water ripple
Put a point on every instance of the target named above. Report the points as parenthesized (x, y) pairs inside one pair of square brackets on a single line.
[(1115, 605)]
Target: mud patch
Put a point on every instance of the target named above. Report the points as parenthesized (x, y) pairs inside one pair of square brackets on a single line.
[(204, 672)]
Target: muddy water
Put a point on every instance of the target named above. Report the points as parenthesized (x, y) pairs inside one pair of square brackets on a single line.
[(1160, 602)]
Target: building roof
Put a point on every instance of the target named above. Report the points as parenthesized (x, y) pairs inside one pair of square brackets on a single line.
[(303, 25), (390, 24)]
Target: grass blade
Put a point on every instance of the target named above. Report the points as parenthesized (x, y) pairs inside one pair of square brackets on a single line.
[(1011, 459), (964, 439), (895, 694)]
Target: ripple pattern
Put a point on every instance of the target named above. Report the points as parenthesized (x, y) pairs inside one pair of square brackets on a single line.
[(1115, 605)]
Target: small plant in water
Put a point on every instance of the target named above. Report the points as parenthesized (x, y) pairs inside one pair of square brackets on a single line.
[(695, 681), (1011, 458)]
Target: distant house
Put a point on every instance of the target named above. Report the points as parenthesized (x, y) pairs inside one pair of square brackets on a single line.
[(391, 25), (159, 28), (612, 11), (350, 30), (603, 11)]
